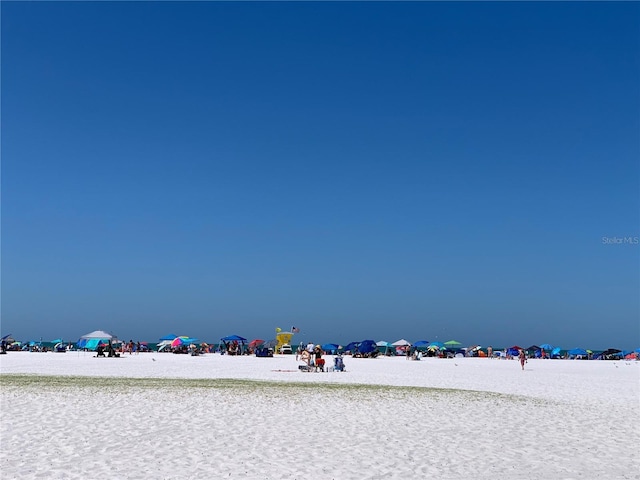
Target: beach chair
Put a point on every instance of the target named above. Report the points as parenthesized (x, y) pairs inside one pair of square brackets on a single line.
[(338, 364)]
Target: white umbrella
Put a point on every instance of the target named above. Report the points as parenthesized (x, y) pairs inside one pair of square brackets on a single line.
[(401, 343)]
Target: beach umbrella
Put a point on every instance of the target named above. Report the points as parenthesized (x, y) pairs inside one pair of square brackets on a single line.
[(401, 343), (57, 340), (171, 336), (421, 343), (330, 347), (255, 343), (436, 345), (351, 347), (366, 346), (5, 337), (452, 344), (176, 342), (610, 351), (546, 346)]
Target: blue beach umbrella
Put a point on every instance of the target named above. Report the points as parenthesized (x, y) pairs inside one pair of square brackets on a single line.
[(351, 347), (546, 346)]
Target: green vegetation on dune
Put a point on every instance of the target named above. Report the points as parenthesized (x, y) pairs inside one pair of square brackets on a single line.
[(46, 382)]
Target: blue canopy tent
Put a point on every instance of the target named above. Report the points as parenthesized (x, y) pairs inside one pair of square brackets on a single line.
[(232, 340), (577, 352)]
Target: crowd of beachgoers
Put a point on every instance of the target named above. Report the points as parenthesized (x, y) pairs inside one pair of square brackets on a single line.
[(111, 346)]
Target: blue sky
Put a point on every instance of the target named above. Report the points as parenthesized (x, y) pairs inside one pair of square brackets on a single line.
[(359, 170)]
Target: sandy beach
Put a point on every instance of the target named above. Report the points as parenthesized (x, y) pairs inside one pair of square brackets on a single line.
[(164, 416)]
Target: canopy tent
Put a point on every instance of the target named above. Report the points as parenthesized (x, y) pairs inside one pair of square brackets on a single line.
[(232, 338), (234, 344), (384, 347), (90, 341), (574, 352)]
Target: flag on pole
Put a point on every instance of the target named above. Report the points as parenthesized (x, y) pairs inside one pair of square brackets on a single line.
[(295, 330)]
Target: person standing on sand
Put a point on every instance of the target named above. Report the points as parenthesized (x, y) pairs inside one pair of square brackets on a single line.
[(522, 357), (490, 351)]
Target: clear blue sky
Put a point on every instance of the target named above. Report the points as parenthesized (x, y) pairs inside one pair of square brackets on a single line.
[(428, 171)]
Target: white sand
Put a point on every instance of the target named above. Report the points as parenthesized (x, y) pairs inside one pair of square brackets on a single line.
[(472, 418)]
